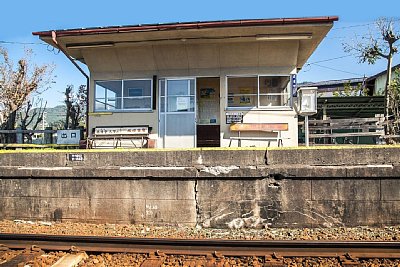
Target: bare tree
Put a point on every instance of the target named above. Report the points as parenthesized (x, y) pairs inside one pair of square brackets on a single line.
[(76, 106), (32, 117), (17, 84), (371, 48)]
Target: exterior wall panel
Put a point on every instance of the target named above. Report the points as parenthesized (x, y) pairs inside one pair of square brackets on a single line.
[(194, 60)]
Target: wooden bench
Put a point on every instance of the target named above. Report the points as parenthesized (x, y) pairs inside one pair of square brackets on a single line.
[(258, 127), (117, 134), (346, 128)]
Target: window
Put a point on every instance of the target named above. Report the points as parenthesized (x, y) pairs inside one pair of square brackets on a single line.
[(108, 95), (258, 91), (135, 95)]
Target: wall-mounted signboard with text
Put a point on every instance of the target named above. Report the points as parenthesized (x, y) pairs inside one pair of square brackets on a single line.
[(234, 117)]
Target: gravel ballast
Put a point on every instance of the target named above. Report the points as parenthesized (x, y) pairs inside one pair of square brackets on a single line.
[(388, 233)]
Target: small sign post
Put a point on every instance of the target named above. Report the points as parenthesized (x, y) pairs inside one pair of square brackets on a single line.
[(307, 101)]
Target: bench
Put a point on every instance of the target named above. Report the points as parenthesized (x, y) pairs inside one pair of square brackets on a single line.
[(330, 129), (117, 134), (258, 127)]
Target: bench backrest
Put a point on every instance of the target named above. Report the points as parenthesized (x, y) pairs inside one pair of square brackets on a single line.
[(259, 127), (128, 130)]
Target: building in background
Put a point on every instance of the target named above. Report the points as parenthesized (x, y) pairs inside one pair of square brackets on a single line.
[(376, 83), (344, 87)]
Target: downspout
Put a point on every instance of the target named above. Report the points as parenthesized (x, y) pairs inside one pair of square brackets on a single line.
[(54, 38)]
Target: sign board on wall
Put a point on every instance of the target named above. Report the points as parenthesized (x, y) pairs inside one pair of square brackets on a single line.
[(234, 117), (68, 137), (294, 84)]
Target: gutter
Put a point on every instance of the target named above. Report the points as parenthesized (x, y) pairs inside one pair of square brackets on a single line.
[(190, 25), (54, 38)]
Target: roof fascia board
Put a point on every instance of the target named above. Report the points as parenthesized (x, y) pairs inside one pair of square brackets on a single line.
[(191, 25)]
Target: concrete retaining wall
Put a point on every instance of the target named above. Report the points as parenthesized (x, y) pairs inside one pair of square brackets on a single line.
[(94, 200), (211, 188), (299, 202), (207, 202), (207, 157)]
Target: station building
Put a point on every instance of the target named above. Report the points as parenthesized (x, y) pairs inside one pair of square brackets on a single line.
[(189, 81)]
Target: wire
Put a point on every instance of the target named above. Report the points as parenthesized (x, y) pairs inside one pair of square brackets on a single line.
[(20, 43), (353, 26), (330, 59), (336, 69), (360, 25), (53, 49)]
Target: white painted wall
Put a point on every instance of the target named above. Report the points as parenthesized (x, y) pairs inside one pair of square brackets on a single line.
[(191, 60)]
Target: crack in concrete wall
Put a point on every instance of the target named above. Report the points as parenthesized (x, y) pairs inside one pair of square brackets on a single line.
[(196, 199)]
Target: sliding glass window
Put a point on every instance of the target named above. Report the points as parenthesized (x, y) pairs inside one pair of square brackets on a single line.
[(121, 95), (258, 91), (108, 95)]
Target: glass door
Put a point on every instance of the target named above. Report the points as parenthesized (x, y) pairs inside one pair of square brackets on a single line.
[(177, 125)]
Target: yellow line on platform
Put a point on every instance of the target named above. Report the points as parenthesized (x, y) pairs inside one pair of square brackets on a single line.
[(122, 150)]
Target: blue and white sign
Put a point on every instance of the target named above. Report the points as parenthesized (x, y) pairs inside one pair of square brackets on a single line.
[(294, 84)]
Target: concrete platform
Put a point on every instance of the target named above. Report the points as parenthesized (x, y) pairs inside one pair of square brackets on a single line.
[(208, 187)]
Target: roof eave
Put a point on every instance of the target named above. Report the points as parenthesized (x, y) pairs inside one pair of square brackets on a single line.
[(190, 25)]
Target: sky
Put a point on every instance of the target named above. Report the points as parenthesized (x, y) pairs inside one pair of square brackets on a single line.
[(20, 18)]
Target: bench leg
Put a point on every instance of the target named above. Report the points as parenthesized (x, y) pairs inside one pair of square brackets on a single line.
[(280, 142)]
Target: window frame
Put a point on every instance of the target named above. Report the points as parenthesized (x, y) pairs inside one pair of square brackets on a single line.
[(150, 109), (258, 106)]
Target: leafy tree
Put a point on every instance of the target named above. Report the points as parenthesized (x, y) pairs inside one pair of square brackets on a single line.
[(394, 102), (75, 103), (18, 84), (349, 90), (371, 48)]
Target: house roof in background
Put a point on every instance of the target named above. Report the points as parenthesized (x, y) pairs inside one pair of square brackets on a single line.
[(331, 83), (382, 72)]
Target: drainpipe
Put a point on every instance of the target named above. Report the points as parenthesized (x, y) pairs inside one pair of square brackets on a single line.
[(54, 38)]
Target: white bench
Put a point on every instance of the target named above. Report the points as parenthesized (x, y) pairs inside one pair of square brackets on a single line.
[(117, 134)]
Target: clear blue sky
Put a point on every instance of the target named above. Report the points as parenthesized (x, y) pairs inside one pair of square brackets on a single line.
[(20, 18)]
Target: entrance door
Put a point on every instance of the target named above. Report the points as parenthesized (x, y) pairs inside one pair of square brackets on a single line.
[(208, 111), (177, 125)]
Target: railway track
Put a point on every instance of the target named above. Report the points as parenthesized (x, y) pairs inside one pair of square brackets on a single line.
[(208, 252)]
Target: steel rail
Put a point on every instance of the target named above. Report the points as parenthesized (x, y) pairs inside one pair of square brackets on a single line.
[(96, 244)]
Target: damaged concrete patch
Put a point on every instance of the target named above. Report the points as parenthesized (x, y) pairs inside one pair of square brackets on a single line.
[(217, 170)]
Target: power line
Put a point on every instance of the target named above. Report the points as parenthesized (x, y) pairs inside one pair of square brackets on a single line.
[(20, 43), (360, 25), (330, 59), (348, 72), (352, 26)]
